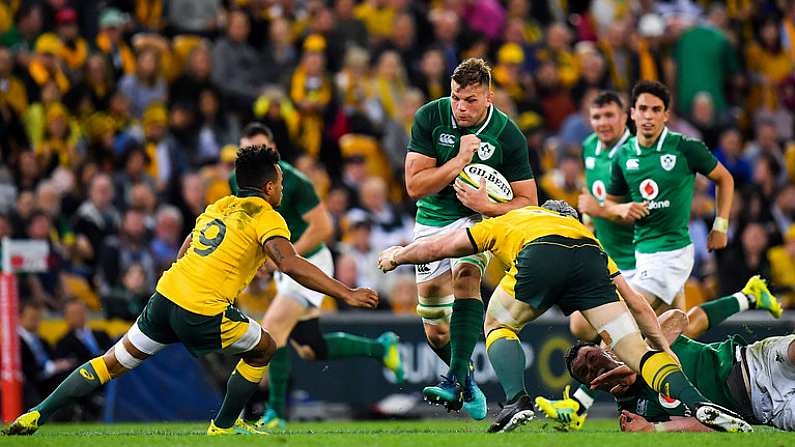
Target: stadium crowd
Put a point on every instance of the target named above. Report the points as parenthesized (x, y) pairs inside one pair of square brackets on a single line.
[(119, 121)]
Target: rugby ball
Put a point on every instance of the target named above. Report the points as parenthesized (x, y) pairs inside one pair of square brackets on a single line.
[(497, 186)]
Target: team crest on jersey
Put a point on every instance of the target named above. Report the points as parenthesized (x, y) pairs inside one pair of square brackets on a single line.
[(599, 191), (445, 139), (649, 189), (668, 402), (486, 150), (590, 162), (668, 161), (633, 164)]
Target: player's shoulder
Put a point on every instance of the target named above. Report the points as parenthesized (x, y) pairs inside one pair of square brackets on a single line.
[(683, 142), (589, 143), (430, 114)]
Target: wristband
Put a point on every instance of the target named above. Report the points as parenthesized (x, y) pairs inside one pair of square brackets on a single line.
[(659, 427), (721, 225)]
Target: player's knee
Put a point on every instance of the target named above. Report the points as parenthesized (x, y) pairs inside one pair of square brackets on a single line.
[(438, 336), (581, 329), (466, 281), (263, 352), (123, 357)]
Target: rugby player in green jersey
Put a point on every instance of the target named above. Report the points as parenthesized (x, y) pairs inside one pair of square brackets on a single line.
[(448, 134), (757, 381)]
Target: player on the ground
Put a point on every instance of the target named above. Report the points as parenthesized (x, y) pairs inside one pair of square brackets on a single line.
[(571, 411), (657, 170), (557, 261), (756, 381), (294, 313), (448, 134), (193, 300)]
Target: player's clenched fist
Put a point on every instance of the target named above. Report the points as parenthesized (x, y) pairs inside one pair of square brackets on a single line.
[(363, 297), (467, 147), (387, 261)]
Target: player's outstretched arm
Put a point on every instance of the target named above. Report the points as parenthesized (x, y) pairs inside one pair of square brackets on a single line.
[(635, 423), (283, 254), (718, 237), (422, 251)]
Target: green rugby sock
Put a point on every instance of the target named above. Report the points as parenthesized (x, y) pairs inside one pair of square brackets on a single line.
[(445, 352), (342, 345), (466, 324), (238, 392), (79, 383), (278, 374), (507, 359), (722, 308)]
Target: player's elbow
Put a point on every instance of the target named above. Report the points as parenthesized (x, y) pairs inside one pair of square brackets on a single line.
[(290, 265), (413, 192)]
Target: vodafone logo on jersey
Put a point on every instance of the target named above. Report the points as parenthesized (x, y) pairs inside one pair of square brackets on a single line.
[(668, 402), (649, 191), (599, 190)]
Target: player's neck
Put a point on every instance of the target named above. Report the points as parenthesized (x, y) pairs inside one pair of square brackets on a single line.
[(612, 143), (649, 142)]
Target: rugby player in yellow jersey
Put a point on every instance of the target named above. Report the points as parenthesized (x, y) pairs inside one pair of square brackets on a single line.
[(555, 260), (194, 299)]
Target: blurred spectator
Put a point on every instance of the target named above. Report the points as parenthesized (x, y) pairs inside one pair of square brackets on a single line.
[(704, 118), (766, 144), (390, 82), (59, 142), (387, 225), (783, 209), (134, 163), (127, 299), (577, 126), (486, 17), (96, 219), (41, 369), (236, 64), (28, 171), (45, 66), (111, 44), (74, 49), (357, 243), (782, 265), (432, 77), (729, 153), (92, 94), (649, 55), (48, 200), (118, 252), (768, 63), (745, 258), (337, 205), (146, 85), (348, 29), (193, 16), (195, 76), (311, 92), (167, 240), (403, 295), (446, 27), (557, 50), (280, 56), (12, 91), (707, 47), (45, 287), (396, 130), (555, 99), (216, 127), (618, 55), (566, 182), (191, 200), (403, 41), (22, 35)]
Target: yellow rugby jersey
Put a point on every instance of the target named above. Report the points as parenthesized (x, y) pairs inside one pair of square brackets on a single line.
[(226, 251), (506, 235)]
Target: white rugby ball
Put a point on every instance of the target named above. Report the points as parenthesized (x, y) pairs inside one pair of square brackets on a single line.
[(497, 186)]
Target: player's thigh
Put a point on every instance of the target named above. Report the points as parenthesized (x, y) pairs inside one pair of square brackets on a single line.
[(281, 317), (580, 327), (150, 333), (661, 277), (588, 283), (505, 311)]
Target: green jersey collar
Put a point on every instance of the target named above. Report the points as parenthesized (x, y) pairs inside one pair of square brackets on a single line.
[(659, 141), (615, 147), (485, 123)]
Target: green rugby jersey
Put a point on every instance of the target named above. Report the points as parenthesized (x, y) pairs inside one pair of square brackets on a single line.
[(298, 198), (663, 177), (435, 134), (707, 365), (615, 237)]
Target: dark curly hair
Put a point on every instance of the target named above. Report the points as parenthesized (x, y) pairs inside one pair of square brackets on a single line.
[(255, 166)]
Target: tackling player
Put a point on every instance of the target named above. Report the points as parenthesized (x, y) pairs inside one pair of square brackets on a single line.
[(756, 381), (193, 300), (448, 134), (556, 261), (294, 313)]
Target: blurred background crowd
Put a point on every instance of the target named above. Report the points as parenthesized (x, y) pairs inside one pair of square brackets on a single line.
[(119, 120)]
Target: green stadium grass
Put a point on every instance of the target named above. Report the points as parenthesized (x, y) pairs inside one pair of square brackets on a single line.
[(431, 433)]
